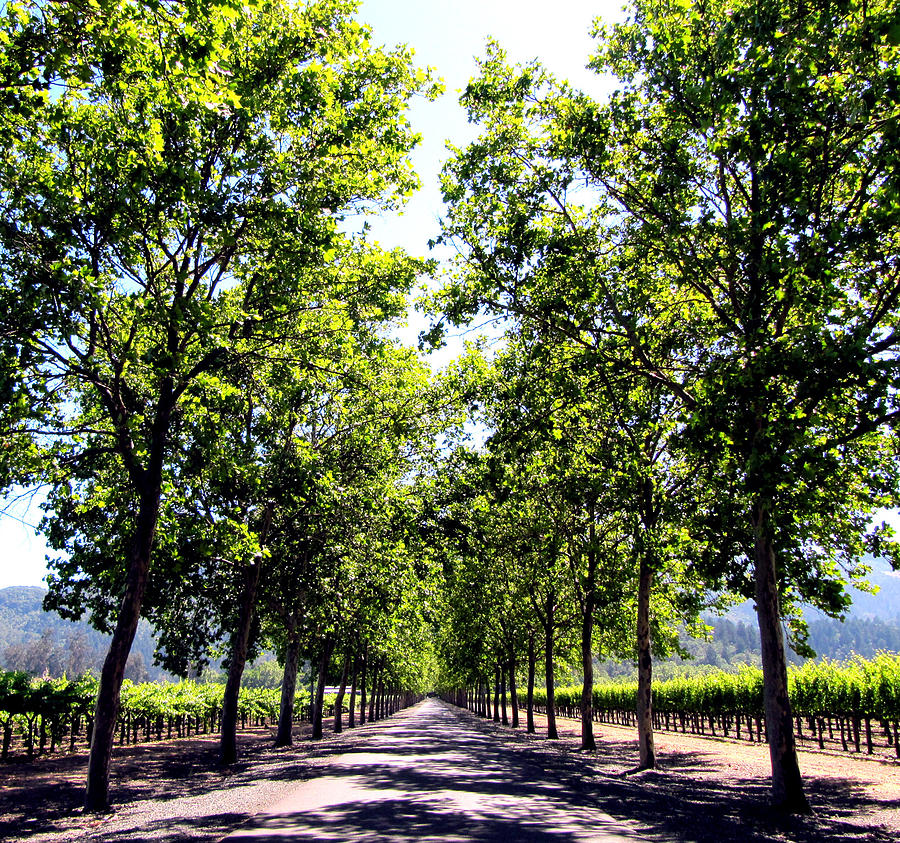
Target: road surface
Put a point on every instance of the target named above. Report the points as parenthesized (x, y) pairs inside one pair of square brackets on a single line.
[(430, 773)]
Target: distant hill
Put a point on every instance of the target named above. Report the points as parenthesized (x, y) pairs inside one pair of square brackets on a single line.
[(885, 605), (43, 643)]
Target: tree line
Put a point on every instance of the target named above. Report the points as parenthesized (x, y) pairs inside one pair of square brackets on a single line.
[(195, 351), (697, 281)]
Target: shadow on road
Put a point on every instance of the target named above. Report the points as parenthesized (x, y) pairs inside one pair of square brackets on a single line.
[(431, 773), (439, 773)]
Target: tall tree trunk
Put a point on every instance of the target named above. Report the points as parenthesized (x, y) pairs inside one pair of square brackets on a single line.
[(106, 708), (787, 784), (646, 749), (378, 694), (487, 698), (362, 687), (285, 736), (502, 676), (549, 670), (588, 600), (339, 699), (587, 668), (351, 714), (529, 695), (376, 671), (240, 642), (497, 693), (513, 692), (327, 649), (312, 690)]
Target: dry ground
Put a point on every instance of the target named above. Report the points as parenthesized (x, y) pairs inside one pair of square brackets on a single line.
[(852, 797), (705, 790)]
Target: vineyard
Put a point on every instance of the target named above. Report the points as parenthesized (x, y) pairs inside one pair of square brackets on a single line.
[(48, 715), (851, 706)]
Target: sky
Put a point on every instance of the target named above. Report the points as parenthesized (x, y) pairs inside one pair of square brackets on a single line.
[(449, 36), (446, 35)]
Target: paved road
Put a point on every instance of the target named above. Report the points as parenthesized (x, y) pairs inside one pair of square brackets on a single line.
[(429, 773)]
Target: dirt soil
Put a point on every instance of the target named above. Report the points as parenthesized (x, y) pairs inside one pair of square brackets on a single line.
[(721, 787), (707, 789)]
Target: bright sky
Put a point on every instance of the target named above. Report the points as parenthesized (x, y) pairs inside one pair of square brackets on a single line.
[(446, 35)]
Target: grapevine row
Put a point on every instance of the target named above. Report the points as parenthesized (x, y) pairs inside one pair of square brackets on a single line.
[(847, 704), (51, 713)]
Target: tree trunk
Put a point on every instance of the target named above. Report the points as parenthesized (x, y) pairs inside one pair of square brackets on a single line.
[(362, 688), (529, 696), (107, 706), (378, 694), (339, 699), (497, 693), (787, 784), (351, 714), (549, 671), (501, 673), (327, 648), (285, 736), (240, 642), (587, 667), (376, 670), (513, 692), (646, 749)]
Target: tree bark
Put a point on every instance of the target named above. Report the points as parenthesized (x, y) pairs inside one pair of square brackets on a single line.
[(497, 684), (339, 699), (378, 694), (351, 714), (513, 692), (285, 735), (549, 670), (108, 694), (646, 749), (787, 783), (327, 649), (587, 667), (362, 688), (376, 671), (501, 673), (240, 642), (529, 696)]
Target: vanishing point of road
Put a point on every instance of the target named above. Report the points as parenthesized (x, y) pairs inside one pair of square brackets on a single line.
[(430, 773)]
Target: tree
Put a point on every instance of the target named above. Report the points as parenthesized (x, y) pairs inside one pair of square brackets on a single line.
[(339, 550), (581, 398), (162, 200), (754, 148)]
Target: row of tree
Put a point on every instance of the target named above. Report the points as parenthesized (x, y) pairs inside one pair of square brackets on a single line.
[(694, 400), (194, 346), (699, 285)]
